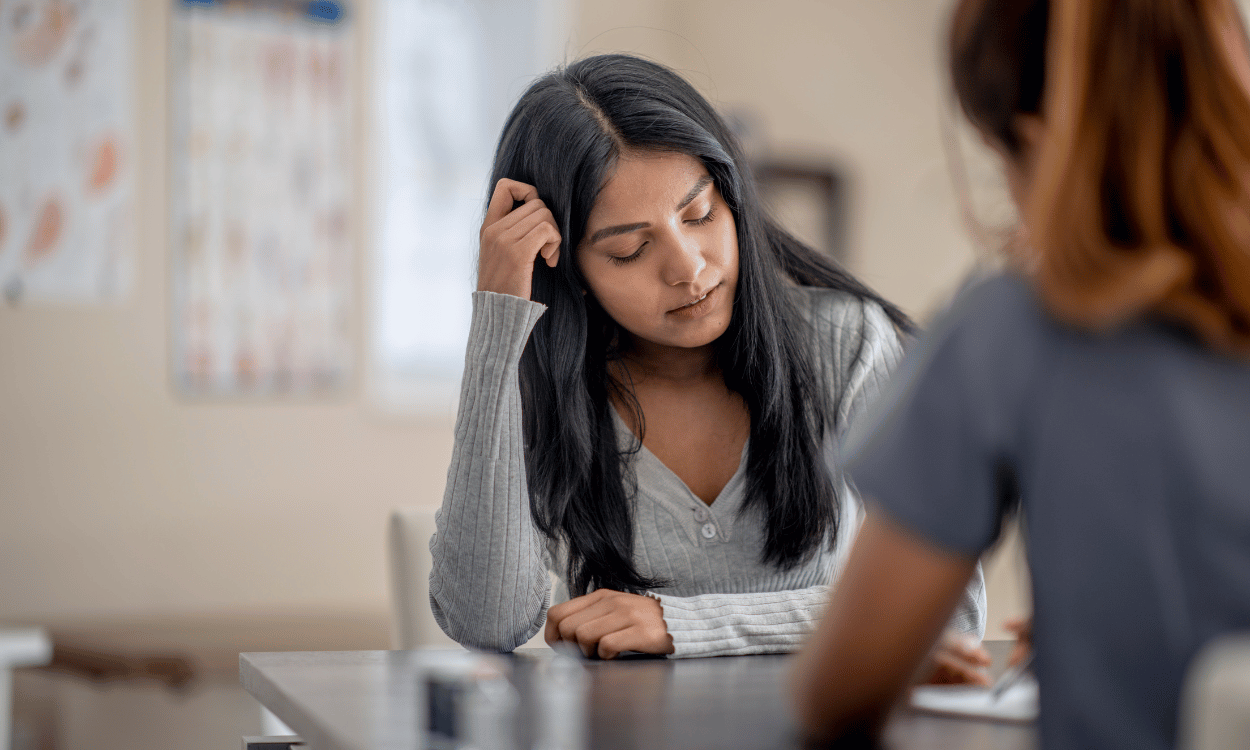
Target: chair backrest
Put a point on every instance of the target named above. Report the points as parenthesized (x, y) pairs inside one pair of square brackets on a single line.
[(27, 647), (1215, 704), (408, 550)]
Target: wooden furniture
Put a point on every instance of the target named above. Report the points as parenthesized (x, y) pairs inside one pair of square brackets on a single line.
[(368, 700), (177, 651)]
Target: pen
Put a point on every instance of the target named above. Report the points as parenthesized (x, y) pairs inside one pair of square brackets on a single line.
[(1011, 676)]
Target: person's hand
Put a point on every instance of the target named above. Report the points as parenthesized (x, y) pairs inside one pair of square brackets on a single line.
[(512, 239), (1022, 629), (958, 659), (605, 623)]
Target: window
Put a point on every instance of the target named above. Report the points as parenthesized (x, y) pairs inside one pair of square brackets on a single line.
[(447, 73)]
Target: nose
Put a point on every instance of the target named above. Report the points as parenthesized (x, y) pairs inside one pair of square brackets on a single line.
[(684, 261)]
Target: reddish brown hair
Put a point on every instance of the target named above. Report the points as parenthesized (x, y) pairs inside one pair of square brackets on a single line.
[(1140, 198)]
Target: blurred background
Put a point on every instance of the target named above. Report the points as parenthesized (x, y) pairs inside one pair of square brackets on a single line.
[(236, 249)]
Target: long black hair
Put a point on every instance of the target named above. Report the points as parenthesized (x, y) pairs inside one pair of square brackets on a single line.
[(564, 137)]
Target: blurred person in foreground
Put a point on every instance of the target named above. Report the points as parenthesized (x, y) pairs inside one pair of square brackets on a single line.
[(1101, 386)]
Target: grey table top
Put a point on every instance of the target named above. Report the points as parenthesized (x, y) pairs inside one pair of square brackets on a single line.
[(368, 700)]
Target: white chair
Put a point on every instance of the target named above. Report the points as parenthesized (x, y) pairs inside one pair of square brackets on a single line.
[(408, 543), (18, 648), (1215, 704), (408, 548)]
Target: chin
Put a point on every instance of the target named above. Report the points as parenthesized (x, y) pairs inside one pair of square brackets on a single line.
[(702, 337)]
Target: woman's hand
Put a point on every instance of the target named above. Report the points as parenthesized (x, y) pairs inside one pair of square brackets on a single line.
[(512, 239), (1022, 628), (958, 659), (605, 623)]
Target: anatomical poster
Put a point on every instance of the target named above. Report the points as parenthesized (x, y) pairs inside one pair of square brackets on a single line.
[(262, 173), (66, 151)]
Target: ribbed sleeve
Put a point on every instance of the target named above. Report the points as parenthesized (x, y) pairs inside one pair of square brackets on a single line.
[(735, 624), (488, 585)]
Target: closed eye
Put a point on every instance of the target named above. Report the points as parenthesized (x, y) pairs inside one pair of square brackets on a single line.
[(705, 219), (620, 261)]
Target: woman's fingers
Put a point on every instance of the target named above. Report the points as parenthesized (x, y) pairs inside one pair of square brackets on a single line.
[(1022, 628), (507, 194), (513, 237), (551, 250), (562, 611), (568, 625), (968, 649), (587, 625), (959, 659), (538, 235), (508, 222), (950, 668), (591, 633), (606, 622), (615, 643), (499, 240)]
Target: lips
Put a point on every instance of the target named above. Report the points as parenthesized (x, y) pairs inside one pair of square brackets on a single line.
[(697, 300), (696, 304)]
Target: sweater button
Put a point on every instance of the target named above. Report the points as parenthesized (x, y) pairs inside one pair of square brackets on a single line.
[(709, 530), (700, 514)]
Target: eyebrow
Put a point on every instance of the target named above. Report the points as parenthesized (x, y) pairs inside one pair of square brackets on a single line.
[(620, 229), (699, 187)]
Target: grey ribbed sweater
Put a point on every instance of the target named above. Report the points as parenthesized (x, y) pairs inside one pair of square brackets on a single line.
[(489, 585)]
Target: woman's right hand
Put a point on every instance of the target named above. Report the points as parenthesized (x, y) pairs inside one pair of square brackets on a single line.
[(1022, 629), (513, 238)]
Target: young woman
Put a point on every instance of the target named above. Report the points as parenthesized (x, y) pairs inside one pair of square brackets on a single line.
[(1105, 381), (656, 382)]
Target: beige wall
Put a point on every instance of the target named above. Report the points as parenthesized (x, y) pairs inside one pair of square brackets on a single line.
[(119, 497)]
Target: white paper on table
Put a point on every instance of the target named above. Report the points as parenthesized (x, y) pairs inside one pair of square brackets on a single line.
[(1017, 703)]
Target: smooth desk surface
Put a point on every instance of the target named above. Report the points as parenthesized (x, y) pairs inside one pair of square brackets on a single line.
[(366, 700)]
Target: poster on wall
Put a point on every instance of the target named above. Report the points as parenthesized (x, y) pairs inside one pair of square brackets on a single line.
[(261, 165), (66, 151)]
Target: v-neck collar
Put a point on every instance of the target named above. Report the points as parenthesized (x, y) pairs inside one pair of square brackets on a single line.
[(675, 485)]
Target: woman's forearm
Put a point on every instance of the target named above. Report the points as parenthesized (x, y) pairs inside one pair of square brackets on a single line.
[(890, 605), (489, 586)]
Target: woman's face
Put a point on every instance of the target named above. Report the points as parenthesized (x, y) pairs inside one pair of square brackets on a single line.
[(660, 252)]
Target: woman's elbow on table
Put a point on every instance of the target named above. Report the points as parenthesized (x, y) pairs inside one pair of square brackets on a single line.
[(501, 628)]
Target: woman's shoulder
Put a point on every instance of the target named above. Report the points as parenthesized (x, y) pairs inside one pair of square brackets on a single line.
[(998, 309), (844, 322)]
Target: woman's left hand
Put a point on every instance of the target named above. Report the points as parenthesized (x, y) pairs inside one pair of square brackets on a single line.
[(958, 659), (605, 623)]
